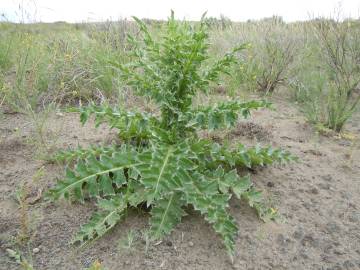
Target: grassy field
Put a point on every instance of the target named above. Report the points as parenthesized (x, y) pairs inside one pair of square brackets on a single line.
[(150, 94)]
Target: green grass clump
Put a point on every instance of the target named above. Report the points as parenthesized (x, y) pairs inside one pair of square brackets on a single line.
[(56, 63)]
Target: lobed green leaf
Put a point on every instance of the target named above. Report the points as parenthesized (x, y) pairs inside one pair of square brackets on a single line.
[(166, 213), (223, 115), (101, 222), (95, 176)]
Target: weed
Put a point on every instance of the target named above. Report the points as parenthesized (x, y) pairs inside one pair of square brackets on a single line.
[(19, 259), (25, 231), (2, 89), (43, 138), (96, 266), (128, 242), (146, 236), (163, 163), (28, 219)]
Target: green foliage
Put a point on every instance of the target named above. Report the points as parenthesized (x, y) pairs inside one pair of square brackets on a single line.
[(19, 259), (5, 56), (112, 211), (221, 23), (223, 115), (96, 266), (162, 162), (171, 71), (329, 92), (266, 65), (166, 214), (45, 65), (81, 153), (133, 125)]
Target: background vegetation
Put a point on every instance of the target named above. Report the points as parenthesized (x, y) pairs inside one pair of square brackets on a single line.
[(314, 63)]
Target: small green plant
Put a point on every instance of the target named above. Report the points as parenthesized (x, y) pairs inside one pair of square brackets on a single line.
[(19, 259), (146, 237), (162, 162), (2, 89), (96, 266), (24, 234), (128, 242)]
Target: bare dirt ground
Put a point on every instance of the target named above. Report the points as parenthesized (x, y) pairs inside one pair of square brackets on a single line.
[(318, 199)]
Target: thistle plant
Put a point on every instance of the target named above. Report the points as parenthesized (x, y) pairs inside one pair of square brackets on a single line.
[(162, 162)]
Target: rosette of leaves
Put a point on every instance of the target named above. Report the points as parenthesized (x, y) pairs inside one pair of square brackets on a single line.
[(162, 163)]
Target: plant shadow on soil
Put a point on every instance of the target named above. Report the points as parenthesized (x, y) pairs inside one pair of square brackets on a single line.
[(318, 199)]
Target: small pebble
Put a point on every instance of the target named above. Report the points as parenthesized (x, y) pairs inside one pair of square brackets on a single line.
[(309, 240), (314, 191), (298, 234), (327, 177), (168, 243), (332, 227), (191, 244), (36, 250), (354, 218), (270, 184)]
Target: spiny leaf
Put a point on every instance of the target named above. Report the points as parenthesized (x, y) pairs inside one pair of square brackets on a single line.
[(81, 153), (101, 222), (212, 206), (256, 200), (231, 181), (223, 115), (166, 213), (262, 156), (250, 157), (94, 176), (243, 188), (130, 124), (159, 168)]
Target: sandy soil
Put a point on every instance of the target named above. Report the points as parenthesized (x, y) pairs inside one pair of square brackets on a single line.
[(318, 198)]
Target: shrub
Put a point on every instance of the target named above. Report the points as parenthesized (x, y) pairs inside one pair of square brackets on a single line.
[(215, 23), (266, 64), (162, 163), (340, 43), (328, 84)]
